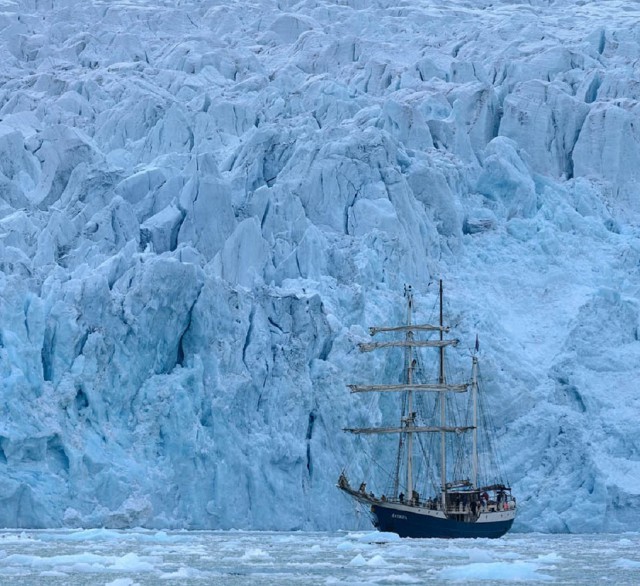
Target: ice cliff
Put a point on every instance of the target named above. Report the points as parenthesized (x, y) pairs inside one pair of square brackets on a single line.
[(204, 204)]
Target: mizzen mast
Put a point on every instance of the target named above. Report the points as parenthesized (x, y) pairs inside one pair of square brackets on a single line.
[(474, 390)]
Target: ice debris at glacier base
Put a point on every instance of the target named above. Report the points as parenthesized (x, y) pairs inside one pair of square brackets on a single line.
[(203, 207)]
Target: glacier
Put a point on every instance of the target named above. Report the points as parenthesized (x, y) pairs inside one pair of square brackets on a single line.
[(203, 205)]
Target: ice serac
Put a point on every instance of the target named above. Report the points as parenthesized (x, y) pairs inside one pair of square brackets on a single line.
[(615, 159), (548, 119), (203, 208)]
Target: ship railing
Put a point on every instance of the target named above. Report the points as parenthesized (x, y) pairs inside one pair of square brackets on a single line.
[(482, 505)]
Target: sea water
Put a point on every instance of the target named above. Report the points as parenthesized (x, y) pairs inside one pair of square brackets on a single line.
[(136, 557)]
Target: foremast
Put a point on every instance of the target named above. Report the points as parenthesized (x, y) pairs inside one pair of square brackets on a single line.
[(474, 391), (443, 411)]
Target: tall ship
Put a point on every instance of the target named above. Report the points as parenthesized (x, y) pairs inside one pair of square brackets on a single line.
[(445, 480)]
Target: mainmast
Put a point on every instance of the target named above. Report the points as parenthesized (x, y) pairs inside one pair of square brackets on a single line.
[(409, 420), (443, 445)]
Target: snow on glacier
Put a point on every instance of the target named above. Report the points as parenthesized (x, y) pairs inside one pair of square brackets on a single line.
[(203, 206)]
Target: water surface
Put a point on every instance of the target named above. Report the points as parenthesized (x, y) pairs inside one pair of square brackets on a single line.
[(126, 558)]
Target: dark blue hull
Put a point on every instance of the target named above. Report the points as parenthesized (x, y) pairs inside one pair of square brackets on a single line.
[(408, 524)]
